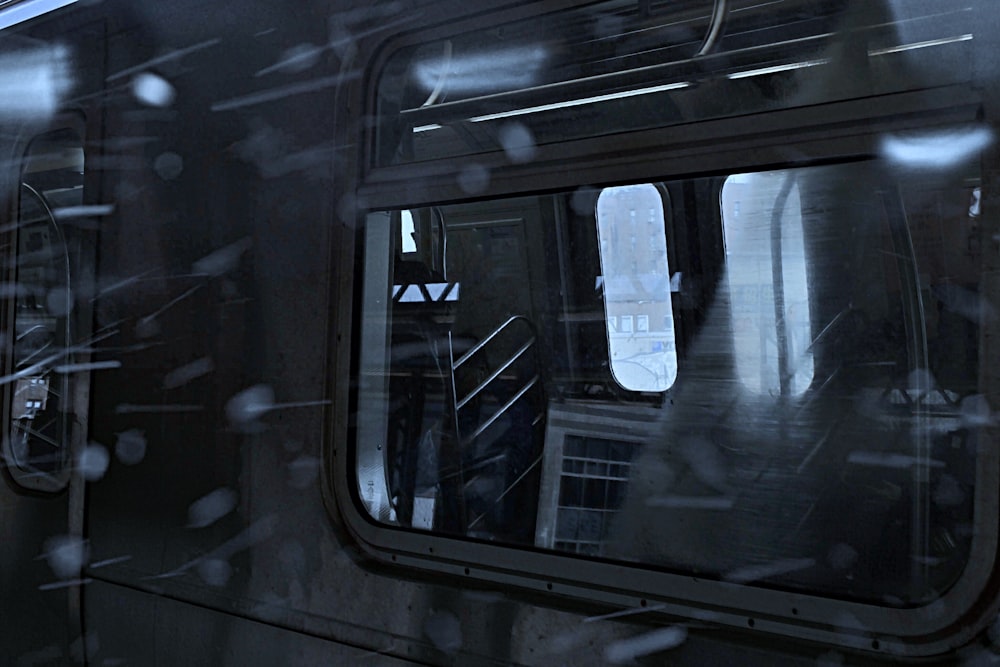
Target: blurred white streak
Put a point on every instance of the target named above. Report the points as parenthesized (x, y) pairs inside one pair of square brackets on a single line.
[(109, 561), (25, 11), (503, 68), (921, 45), (255, 533), (664, 639), (92, 366), (777, 68), (64, 584), (210, 508), (91, 211), (583, 101), (750, 573), (624, 612), (121, 283), (285, 91), (188, 372), (250, 404), (224, 259), (168, 57), (936, 150), (299, 58), (33, 82), (144, 322)]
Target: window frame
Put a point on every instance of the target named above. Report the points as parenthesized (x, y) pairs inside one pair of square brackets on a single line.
[(28, 478), (847, 130)]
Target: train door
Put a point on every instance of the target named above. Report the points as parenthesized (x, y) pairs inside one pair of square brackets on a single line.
[(48, 225)]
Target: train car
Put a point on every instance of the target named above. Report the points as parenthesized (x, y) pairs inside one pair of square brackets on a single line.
[(523, 332)]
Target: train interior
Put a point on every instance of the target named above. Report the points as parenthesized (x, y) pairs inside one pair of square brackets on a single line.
[(763, 330)]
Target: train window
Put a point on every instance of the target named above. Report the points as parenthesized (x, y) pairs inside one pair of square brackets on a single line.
[(39, 317), (408, 233), (636, 284), (515, 87), (844, 466), (766, 270)]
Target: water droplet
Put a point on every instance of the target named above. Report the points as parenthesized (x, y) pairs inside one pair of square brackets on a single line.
[(215, 571), (66, 555), (518, 142), (59, 301), (224, 259), (842, 556), (93, 462), (188, 372), (474, 178), (299, 58), (626, 650), (210, 508), (168, 166), (303, 471), (153, 90), (246, 407), (131, 447), (444, 631)]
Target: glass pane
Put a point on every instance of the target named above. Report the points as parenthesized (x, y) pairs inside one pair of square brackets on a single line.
[(513, 87), (766, 270), (843, 465), (636, 276), (40, 313)]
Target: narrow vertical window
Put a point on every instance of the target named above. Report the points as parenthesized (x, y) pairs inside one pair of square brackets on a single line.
[(766, 274), (40, 319), (408, 233), (633, 249)]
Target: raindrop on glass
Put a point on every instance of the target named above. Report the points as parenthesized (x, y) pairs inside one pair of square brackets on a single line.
[(168, 166), (66, 555), (210, 508), (131, 447), (93, 462), (153, 90)]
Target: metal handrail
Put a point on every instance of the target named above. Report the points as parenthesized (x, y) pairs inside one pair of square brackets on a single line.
[(481, 344), (506, 406), (507, 364)]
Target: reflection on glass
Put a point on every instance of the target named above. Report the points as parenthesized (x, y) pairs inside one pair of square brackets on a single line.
[(766, 269), (845, 465)]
